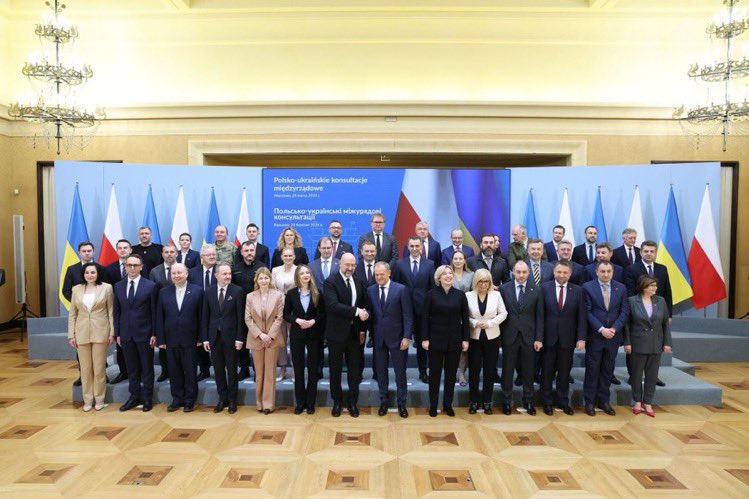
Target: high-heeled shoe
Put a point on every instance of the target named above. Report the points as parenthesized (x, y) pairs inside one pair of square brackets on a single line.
[(636, 410), (650, 412)]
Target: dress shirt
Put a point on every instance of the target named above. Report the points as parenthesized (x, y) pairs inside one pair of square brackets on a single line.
[(202, 275), (414, 261), (517, 289), (649, 268), (304, 298), (180, 295), (218, 292), (353, 288), (369, 272), (387, 290), (562, 286), (135, 287), (326, 271)]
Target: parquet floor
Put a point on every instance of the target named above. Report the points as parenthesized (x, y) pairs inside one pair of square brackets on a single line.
[(50, 448)]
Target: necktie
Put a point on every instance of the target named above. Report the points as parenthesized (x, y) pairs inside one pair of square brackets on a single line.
[(488, 263), (521, 294), (325, 269), (169, 274), (561, 297), (590, 253), (335, 248), (131, 291), (606, 296), (350, 291), (378, 246), (369, 272), (382, 296), (221, 299), (415, 268), (207, 279), (631, 260), (650, 270), (536, 274), (122, 270)]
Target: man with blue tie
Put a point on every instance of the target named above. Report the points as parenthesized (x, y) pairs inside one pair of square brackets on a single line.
[(391, 324), (457, 245), (551, 247), (607, 309), (186, 255), (134, 320), (178, 314), (325, 264), (202, 275), (417, 274), (585, 253)]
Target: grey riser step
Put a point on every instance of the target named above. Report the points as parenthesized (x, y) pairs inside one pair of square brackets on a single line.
[(728, 327), (681, 388), (699, 347)]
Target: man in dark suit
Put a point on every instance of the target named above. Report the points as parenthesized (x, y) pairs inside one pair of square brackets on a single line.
[(161, 276), (324, 263), (386, 247), (346, 323), (178, 312), (417, 274), (457, 245), (223, 334), (603, 254), (365, 269), (392, 325), (565, 328), (585, 253), (541, 271), (431, 248), (522, 334), (550, 248), (564, 252), (493, 261), (627, 254), (261, 251), (335, 229), (186, 254), (203, 276), (149, 251), (243, 275), (134, 320), (607, 309), (648, 266)]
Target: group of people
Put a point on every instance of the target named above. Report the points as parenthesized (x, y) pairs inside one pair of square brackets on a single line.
[(237, 308)]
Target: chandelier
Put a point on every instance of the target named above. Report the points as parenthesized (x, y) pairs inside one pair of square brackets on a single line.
[(725, 70), (57, 105)]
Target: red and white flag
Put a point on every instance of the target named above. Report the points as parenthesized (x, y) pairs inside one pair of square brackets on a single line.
[(112, 232), (179, 224), (243, 220), (708, 283)]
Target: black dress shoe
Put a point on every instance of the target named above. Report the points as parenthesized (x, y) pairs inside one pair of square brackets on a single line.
[(310, 409), (383, 409), (220, 406), (607, 409), (336, 410), (173, 407), (77, 382), (518, 381), (299, 408), (449, 411), (402, 411), (488, 409), (353, 410), (130, 404), (147, 405), (473, 408), (118, 379), (658, 382), (590, 410), (506, 409), (189, 408), (243, 374), (162, 377), (432, 412), (572, 380), (530, 409), (615, 381), (548, 410), (268, 411), (203, 375), (568, 410), (423, 377), (232, 407)]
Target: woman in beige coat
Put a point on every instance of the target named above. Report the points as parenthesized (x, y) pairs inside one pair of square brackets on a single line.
[(91, 331), (264, 317)]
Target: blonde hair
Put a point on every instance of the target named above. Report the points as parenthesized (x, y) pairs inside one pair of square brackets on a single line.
[(262, 271), (313, 291), (480, 275), (438, 273), (297, 239)]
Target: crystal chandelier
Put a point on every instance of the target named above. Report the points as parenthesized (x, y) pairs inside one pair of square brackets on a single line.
[(725, 112), (56, 106)]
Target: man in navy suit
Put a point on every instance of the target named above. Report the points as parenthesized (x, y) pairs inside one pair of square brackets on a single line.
[(607, 309), (134, 321), (431, 248), (541, 271), (627, 254), (186, 255), (603, 254), (324, 264), (417, 274), (365, 269), (223, 334), (202, 275), (161, 276), (335, 229), (457, 245), (564, 252), (551, 247), (178, 312), (585, 253), (392, 324), (565, 328), (386, 247)]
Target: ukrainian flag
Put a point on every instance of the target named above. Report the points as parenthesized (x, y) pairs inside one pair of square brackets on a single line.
[(671, 253), (482, 206), (598, 221), (77, 233), (213, 220)]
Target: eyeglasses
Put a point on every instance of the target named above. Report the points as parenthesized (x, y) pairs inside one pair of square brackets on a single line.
[(378, 221)]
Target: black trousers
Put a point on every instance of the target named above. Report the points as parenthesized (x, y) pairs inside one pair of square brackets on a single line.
[(139, 361), (647, 364), (557, 363), (182, 380), (204, 359), (224, 357), (305, 393), (422, 356), (482, 354), (512, 353), (164, 361), (351, 349), (243, 358), (120, 354), (441, 360)]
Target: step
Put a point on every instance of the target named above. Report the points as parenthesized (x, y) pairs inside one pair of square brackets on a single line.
[(727, 327), (703, 347)]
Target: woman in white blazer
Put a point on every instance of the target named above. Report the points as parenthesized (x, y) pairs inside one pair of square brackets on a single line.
[(486, 311)]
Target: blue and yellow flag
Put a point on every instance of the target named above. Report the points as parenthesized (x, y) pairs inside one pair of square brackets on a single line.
[(213, 221), (671, 253), (77, 233), (149, 218), (530, 217), (482, 205), (598, 220)]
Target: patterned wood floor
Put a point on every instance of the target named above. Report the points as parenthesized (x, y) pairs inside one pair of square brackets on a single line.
[(50, 448)]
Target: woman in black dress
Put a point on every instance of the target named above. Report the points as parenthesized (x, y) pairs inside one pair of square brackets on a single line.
[(289, 238), (445, 333)]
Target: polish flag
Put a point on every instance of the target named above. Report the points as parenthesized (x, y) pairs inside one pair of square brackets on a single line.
[(179, 224), (243, 220), (565, 219), (112, 232), (635, 218), (708, 283)]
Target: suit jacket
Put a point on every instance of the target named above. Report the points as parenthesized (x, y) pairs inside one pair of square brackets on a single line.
[(343, 247), (175, 326), (620, 256), (191, 259), (300, 257), (418, 285), (268, 319), (196, 276), (316, 267), (135, 319), (340, 315), (95, 325), (447, 253), (579, 274), (361, 273), (158, 276), (445, 322), (496, 313), (590, 273), (647, 334), (567, 326), (551, 251), (113, 274), (660, 272), (293, 310), (73, 277), (435, 251), (229, 320), (598, 317), (389, 325), (150, 254), (524, 319), (500, 271), (580, 254), (389, 245), (546, 270)]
